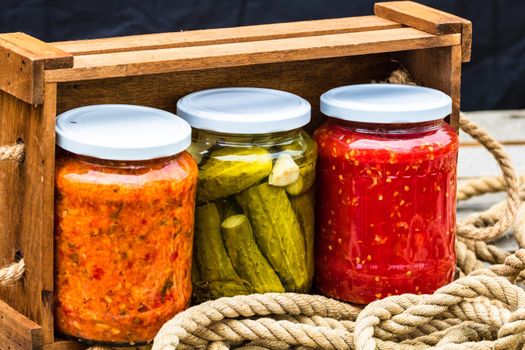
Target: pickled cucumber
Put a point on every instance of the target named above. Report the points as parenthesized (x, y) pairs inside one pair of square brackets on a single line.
[(304, 182), (231, 170), (228, 207), (211, 256), (277, 233), (246, 256), (303, 207)]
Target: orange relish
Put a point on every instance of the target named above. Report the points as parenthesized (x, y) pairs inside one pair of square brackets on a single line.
[(123, 245)]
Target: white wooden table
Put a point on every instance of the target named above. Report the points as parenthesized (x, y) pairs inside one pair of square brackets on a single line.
[(508, 127)]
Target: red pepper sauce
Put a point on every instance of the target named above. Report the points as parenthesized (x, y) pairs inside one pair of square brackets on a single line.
[(123, 241), (386, 209)]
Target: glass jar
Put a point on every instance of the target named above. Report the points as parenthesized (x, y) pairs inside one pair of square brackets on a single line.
[(255, 201), (125, 193), (387, 180)]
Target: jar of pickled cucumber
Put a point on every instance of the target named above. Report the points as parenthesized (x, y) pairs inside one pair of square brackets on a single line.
[(387, 167), (124, 211), (255, 195)]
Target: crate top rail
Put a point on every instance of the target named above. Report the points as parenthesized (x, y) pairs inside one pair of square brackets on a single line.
[(401, 25)]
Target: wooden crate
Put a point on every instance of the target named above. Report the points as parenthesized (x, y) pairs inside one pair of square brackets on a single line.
[(39, 80)]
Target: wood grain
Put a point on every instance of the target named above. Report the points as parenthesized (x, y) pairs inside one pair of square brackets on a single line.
[(26, 205), (17, 332), (23, 60), (428, 19), (437, 68), (37, 50), (308, 79), (226, 35), (506, 126), (62, 344), (123, 64)]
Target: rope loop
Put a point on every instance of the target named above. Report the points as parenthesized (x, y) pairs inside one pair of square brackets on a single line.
[(13, 272), (12, 152), (505, 214)]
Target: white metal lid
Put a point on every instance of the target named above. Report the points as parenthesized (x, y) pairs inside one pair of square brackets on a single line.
[(122, 132), (386, 103), (244, 110)]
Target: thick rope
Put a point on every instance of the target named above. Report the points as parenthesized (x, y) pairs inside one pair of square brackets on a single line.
[(484, 310), (12, 152), (505, 216), (483, 185), (13, 272)]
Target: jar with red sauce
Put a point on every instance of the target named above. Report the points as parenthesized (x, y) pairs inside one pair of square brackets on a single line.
[(386, 192), (125, 196)]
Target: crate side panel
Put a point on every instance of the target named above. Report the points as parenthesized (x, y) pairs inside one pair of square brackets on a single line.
[(226, 35), (438, 68), (26, 206), (17, 332)]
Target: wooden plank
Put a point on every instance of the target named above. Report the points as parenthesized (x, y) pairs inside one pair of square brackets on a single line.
[(428, 19), (304, 78), (122, 64), (23, 60), (226, 35), (26, 205), (73, 345), (62, 344), (17, 332), (37, 50), (46, 208), (508, 127), (19, 76), (438, 68), (476, 161)]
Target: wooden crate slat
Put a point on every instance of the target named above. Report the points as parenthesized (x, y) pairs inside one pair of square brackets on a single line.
[(437, 68), (26, 204), (63, 344), (17, 332), (22, 63), (226, 35), (308, 79), (239, 54), (428, 19), (37, 50)]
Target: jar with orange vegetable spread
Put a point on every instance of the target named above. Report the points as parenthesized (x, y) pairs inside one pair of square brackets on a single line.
[(125, 193)]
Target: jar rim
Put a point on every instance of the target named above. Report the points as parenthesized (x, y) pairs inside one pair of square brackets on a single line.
[(122, 132), (244, 110), (386, 103)]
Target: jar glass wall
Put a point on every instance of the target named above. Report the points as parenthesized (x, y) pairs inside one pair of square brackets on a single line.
[(123, 244), (254, 223), (387, 221), (268, 178)]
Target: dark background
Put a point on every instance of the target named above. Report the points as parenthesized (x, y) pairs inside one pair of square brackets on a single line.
[(494, 79)]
